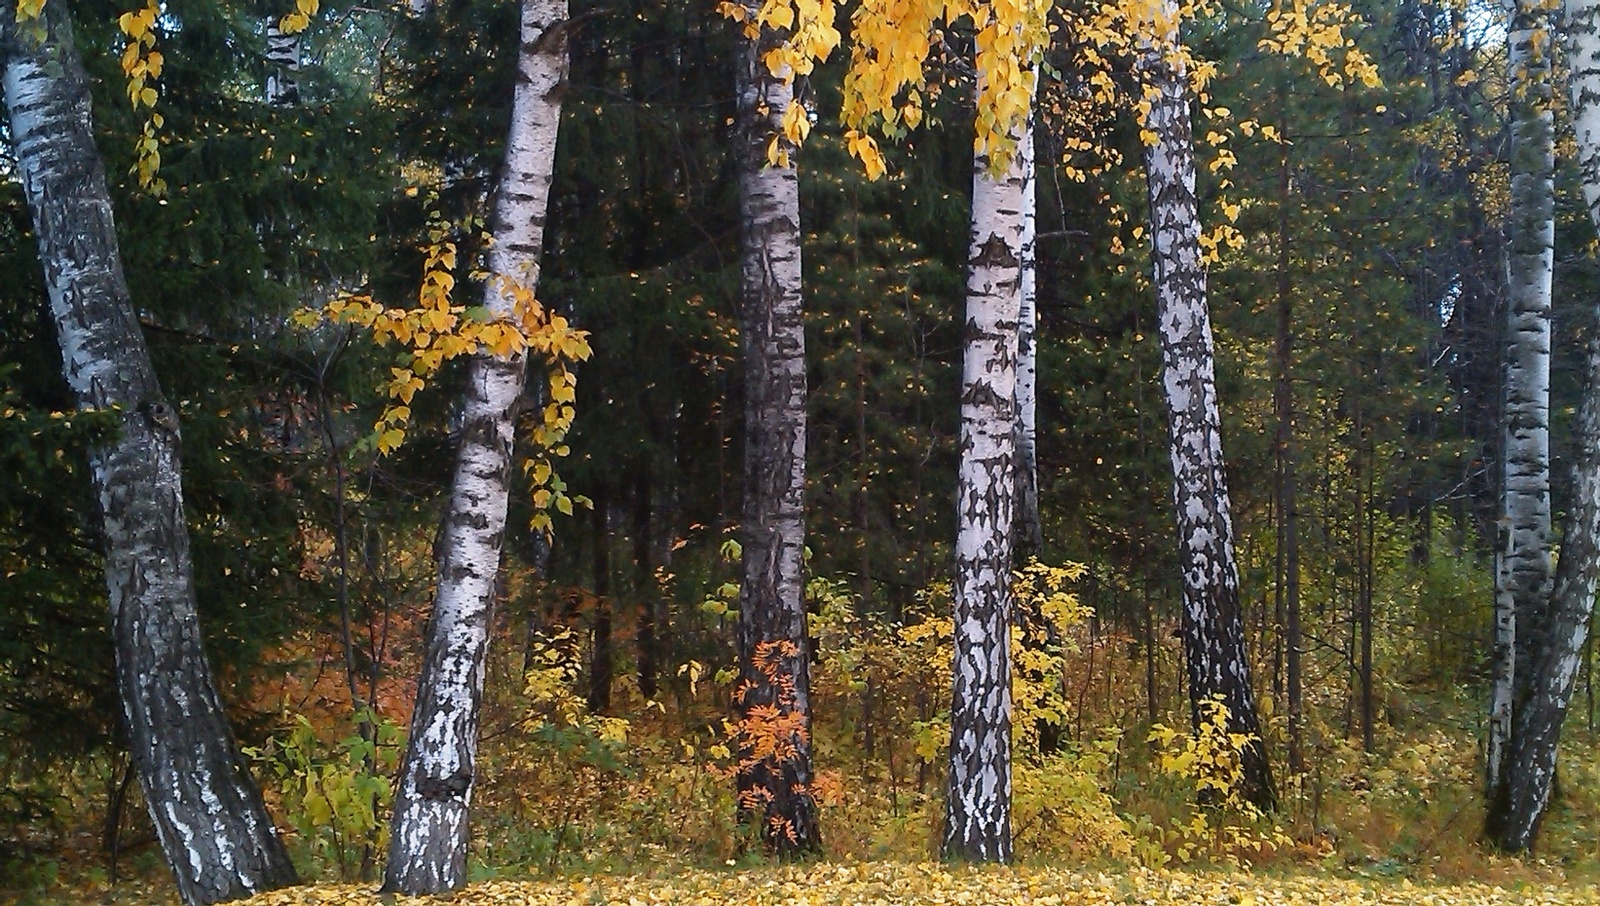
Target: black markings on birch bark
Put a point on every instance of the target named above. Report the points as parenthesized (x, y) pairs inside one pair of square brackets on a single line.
[(774, 652), (1534, 684), (1029, 532), (429, 833), (1523, 574), (283, 67), (978, 803), (1213, 632), (207, 812)]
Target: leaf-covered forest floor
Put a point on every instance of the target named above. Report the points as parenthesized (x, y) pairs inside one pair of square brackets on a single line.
[(890, 883), (895, 883)]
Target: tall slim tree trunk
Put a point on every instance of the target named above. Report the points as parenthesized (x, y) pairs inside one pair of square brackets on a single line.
[(428, 837), (774, 650), (647, 647), (1030, 531), (1523, 576), (1547, 677), (1213, 632), (978, 804), (1288, 502), (208, 813), (600, 653)]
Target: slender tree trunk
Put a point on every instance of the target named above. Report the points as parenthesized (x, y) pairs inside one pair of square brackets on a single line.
[(978, 805), (1288, 502), (1213, 633), (645, 588), (428, 837), (1547, 675), (600, 660), (774, 650), (1030, 531), (208, 813), (1528, 775), (1523, 576)]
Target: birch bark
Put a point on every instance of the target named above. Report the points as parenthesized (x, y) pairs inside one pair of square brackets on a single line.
[(207, 812), (1213, 633), (978, 804), (774, 697), (1545, 677), (1030, 532), (283, 67), (429, 834), (1523, 573)]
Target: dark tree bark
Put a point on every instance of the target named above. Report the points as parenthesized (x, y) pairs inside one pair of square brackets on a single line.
[(1288, 497), (1213, 632), (600, 653), (646, 644), (774, 692), (207, 812)]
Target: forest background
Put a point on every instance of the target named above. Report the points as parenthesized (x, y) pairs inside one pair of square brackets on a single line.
[(1357, 233)]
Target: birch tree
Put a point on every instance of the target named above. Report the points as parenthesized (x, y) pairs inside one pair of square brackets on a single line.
[(891, 46), (1541, 625), (1523, 575), (978, 805), (1029, 531), (774, 692), (1213, 633), (207, 812), (283, 65), (429, 834)]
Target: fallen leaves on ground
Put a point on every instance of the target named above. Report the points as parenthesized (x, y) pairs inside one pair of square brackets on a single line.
[(894, 884)]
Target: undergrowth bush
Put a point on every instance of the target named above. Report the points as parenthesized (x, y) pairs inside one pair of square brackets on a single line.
[(335, 794)]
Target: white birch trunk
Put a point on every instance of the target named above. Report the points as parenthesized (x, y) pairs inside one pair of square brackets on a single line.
[(207, 812), (1030, 532), (774, 651), (1546, 678), (283, 67), (1213, 632), (429, 835), (978, 804), (1523, 576)]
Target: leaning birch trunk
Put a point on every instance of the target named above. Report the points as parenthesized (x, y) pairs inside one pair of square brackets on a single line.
[(1213, 632), (1030, 532), (429, 834), (1545, 680), (207, 812), (774, 697), (978, 803), (1523, 576)]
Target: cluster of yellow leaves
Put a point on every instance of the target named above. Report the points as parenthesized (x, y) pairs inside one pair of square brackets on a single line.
[(548, 684), (299, 20), (1321, 32), (1229, 827), (142, 64), (884, 88), (437, 330), (795, 35), (1047, 611), (896, 883)]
